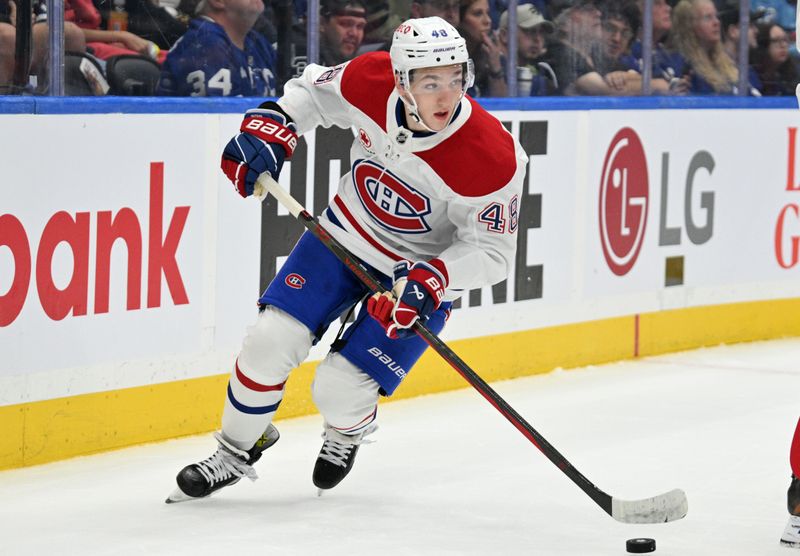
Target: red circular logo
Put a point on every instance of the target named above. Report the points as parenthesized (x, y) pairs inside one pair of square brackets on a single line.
[(624, 194)]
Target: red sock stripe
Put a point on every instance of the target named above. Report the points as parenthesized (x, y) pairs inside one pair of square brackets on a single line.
[(255, 386), (365, 421)]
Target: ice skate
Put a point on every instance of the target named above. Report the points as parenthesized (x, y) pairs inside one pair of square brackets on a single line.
[(225, 467), (791, 535), (337, 456)]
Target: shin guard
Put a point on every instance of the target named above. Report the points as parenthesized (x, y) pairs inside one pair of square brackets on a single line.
[(275, 345)]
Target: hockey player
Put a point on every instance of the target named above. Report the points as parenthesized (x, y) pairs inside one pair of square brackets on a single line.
[(791, 535), (430, 204)]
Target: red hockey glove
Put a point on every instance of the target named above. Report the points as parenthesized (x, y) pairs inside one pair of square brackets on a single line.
[(418, 290), (380, 307)]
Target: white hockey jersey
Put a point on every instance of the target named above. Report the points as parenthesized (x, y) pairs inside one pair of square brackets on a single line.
[(452, 195)]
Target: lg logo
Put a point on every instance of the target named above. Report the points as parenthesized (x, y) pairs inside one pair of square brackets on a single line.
[(625, 200)]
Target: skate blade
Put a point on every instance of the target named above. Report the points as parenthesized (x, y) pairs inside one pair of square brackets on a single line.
[(319, 492), (179, 496)]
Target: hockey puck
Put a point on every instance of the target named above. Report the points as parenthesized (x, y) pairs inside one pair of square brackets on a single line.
[(640, 546)]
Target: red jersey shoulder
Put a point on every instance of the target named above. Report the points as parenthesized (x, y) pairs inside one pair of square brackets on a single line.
[(367, 82), (478, 159)]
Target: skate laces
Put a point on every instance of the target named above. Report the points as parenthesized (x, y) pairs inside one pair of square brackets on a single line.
[(227, 461), (337, 446)]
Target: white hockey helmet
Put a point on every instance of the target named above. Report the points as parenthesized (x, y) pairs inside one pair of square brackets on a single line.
[(428, 42)]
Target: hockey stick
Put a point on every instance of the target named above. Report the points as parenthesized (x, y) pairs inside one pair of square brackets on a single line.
[(669, 506)]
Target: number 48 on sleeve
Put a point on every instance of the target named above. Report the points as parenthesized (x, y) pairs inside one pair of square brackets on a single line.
[(494, 217)]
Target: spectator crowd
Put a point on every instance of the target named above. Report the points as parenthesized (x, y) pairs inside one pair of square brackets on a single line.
[(564, 47)]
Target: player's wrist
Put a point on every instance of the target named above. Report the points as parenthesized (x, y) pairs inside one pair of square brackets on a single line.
[(275, 107)]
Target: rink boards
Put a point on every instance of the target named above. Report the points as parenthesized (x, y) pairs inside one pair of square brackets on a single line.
[(129, 268)]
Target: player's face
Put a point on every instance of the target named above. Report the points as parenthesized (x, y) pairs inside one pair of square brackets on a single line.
[(436, 92)]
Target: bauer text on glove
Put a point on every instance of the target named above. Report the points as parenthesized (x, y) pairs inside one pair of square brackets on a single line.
[(266, 138)]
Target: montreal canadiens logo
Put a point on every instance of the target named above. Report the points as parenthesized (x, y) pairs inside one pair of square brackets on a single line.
[(392, 203), (624, 194), (295, 281), (364, 138), (328, 75)]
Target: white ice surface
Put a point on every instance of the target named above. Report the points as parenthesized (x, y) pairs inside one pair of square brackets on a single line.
[(448, 475)]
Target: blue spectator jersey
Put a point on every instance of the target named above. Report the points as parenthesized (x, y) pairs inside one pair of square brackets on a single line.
[(666, 64), (205, 63), (699, 86)]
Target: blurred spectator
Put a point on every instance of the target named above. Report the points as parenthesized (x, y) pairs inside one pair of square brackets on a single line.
[(533, 30), (149, 20), (476, 28), (782, 12), (534, 76), (575, 56), (621, 21), (341, 32), (729, 23), (74, 41), (497, 7), (449, 10), (8, 37), (669, 67), (696, 36), (579, 33), (383, 17), (102, 43), (220, 54), (776, 70)]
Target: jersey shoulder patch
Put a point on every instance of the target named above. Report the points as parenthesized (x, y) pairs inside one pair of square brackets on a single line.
[(367, 82), (478, 159)]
